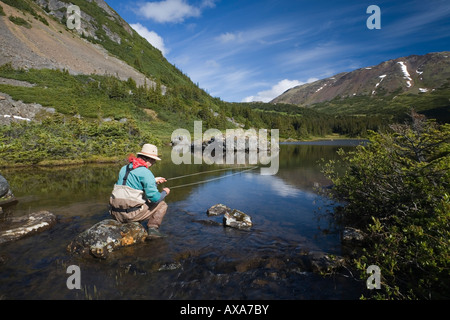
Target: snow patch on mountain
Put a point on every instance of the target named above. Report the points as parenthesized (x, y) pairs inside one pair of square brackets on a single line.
[(321, 87), (406, 74), (376, 86)]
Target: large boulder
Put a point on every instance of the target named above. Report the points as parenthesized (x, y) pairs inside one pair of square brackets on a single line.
[(7, 198), (18, 227), (4, 186), (106, 236), (218, 210)]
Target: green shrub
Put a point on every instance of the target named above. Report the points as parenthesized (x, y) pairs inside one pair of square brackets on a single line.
[(69, 138), (397, 189), (20, 22)]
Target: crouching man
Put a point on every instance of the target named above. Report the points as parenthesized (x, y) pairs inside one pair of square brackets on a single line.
[(135, 197)]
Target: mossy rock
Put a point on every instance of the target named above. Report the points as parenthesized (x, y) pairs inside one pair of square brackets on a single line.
[(107, 236)]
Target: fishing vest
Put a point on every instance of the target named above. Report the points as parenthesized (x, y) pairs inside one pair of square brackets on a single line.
[(126, 199)]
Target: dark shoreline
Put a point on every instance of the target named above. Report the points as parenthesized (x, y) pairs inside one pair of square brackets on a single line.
[(333, 142)]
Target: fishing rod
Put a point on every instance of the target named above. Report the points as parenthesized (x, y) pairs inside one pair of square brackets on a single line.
[(208, 180)]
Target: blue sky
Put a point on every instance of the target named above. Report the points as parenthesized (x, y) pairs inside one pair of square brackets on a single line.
[(253, 50)]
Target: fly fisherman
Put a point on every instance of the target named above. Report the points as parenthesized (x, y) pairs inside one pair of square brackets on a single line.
[(135, 197)]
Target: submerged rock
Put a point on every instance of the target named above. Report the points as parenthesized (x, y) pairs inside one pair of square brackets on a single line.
[(323, 263), (7, 200), (352, 234), (106, 236), (18, 227), (237, 219), (231, 217), (218, 210), (207, 222)]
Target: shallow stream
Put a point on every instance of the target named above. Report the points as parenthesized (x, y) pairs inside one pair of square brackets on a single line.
[(199, 258)]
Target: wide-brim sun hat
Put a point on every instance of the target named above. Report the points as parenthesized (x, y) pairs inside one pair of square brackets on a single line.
[(149, 150)]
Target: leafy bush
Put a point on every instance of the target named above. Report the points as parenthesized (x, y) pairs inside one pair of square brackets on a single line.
[(68, 139), (397, 189)]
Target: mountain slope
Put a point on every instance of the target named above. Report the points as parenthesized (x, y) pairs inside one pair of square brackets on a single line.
[(53, 46), (105, 43), (34, 35), (407, 76)]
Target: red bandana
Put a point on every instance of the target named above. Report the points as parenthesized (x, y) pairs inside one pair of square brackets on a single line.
[(137, 162)]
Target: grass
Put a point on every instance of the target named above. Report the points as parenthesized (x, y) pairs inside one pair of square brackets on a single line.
[(72, 95), (77, 162), (20, 22), (433, 103), (25, 7), (333, 136)]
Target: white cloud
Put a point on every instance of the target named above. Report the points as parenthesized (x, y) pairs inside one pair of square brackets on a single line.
[(268, 34), (212, 63), (275, 91), (173, 10), (228, 37), (152, 37), (208, 4)]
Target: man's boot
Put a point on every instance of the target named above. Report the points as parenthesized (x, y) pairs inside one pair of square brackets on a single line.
[(154, 233)]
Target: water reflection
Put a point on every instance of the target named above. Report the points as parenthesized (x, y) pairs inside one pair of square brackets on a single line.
[(200, 259)]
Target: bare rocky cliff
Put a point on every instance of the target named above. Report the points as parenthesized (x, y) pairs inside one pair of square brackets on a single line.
[(55, 47), (52, 45)]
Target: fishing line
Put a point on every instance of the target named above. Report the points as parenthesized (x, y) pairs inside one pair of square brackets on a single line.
[(209, 180), (203, 172)]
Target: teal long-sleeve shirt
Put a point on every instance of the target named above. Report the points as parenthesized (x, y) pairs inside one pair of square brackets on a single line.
[(142, 178)]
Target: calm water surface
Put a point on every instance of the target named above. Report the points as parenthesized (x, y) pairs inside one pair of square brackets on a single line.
[(199, 258)]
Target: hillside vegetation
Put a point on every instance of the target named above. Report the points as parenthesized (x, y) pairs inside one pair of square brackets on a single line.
[(139, 114), (397, 190), (147, 112), (391, 89), (434, 104)]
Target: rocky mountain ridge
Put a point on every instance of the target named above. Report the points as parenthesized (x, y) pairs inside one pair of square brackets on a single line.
[(413, 74)]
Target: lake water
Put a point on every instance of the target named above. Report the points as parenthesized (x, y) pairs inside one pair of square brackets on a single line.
[(199, 258)]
